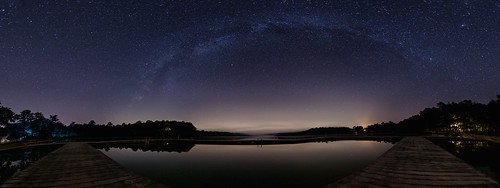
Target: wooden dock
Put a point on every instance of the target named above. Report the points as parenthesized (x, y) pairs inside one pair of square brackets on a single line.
[(77, 165), (417, 162)]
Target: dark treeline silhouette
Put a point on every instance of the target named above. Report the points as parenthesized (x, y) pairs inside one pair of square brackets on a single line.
[(447, 118), (321, 131), (202, 133), (153, 129), (29, 125), (150, 129)]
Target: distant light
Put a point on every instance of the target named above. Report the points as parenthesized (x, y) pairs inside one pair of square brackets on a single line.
[(4, 140)]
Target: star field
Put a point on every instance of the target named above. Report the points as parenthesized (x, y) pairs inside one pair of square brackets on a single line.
[(247, 65)]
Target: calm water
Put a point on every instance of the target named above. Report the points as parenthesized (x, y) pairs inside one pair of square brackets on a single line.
[(181, 165)]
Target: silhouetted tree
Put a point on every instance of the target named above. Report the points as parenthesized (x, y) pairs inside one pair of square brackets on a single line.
[(139, 129), (25, 116), (320, 131), (449, 118), (7, 116), (358, 129)]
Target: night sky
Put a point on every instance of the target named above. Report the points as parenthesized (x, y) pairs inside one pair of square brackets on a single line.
[(241, 65)]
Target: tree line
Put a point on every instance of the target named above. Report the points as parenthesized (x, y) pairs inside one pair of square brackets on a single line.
[(323, 131), (447, 118), (34, 125), (27, 124), (139, 129)]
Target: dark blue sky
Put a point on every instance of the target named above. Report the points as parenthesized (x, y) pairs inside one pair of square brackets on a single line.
[(246, 65)]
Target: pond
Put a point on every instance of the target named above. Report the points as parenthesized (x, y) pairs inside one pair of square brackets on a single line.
[(179, 164)]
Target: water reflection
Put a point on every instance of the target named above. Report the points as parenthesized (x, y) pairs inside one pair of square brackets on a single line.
[(12, 161), (292, 165), (481, 155), (469, 145), (173, 146)]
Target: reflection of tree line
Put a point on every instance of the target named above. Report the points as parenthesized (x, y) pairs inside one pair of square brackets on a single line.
[(172, 146), (16, 160), (391, 140)]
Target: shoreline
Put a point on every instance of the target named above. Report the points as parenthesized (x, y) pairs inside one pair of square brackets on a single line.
[(236, 141)]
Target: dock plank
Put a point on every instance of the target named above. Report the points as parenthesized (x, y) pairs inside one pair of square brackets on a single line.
[(77, 165), (417, 162)]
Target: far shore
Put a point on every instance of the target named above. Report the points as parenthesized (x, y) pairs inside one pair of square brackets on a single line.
[(236, 140)]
